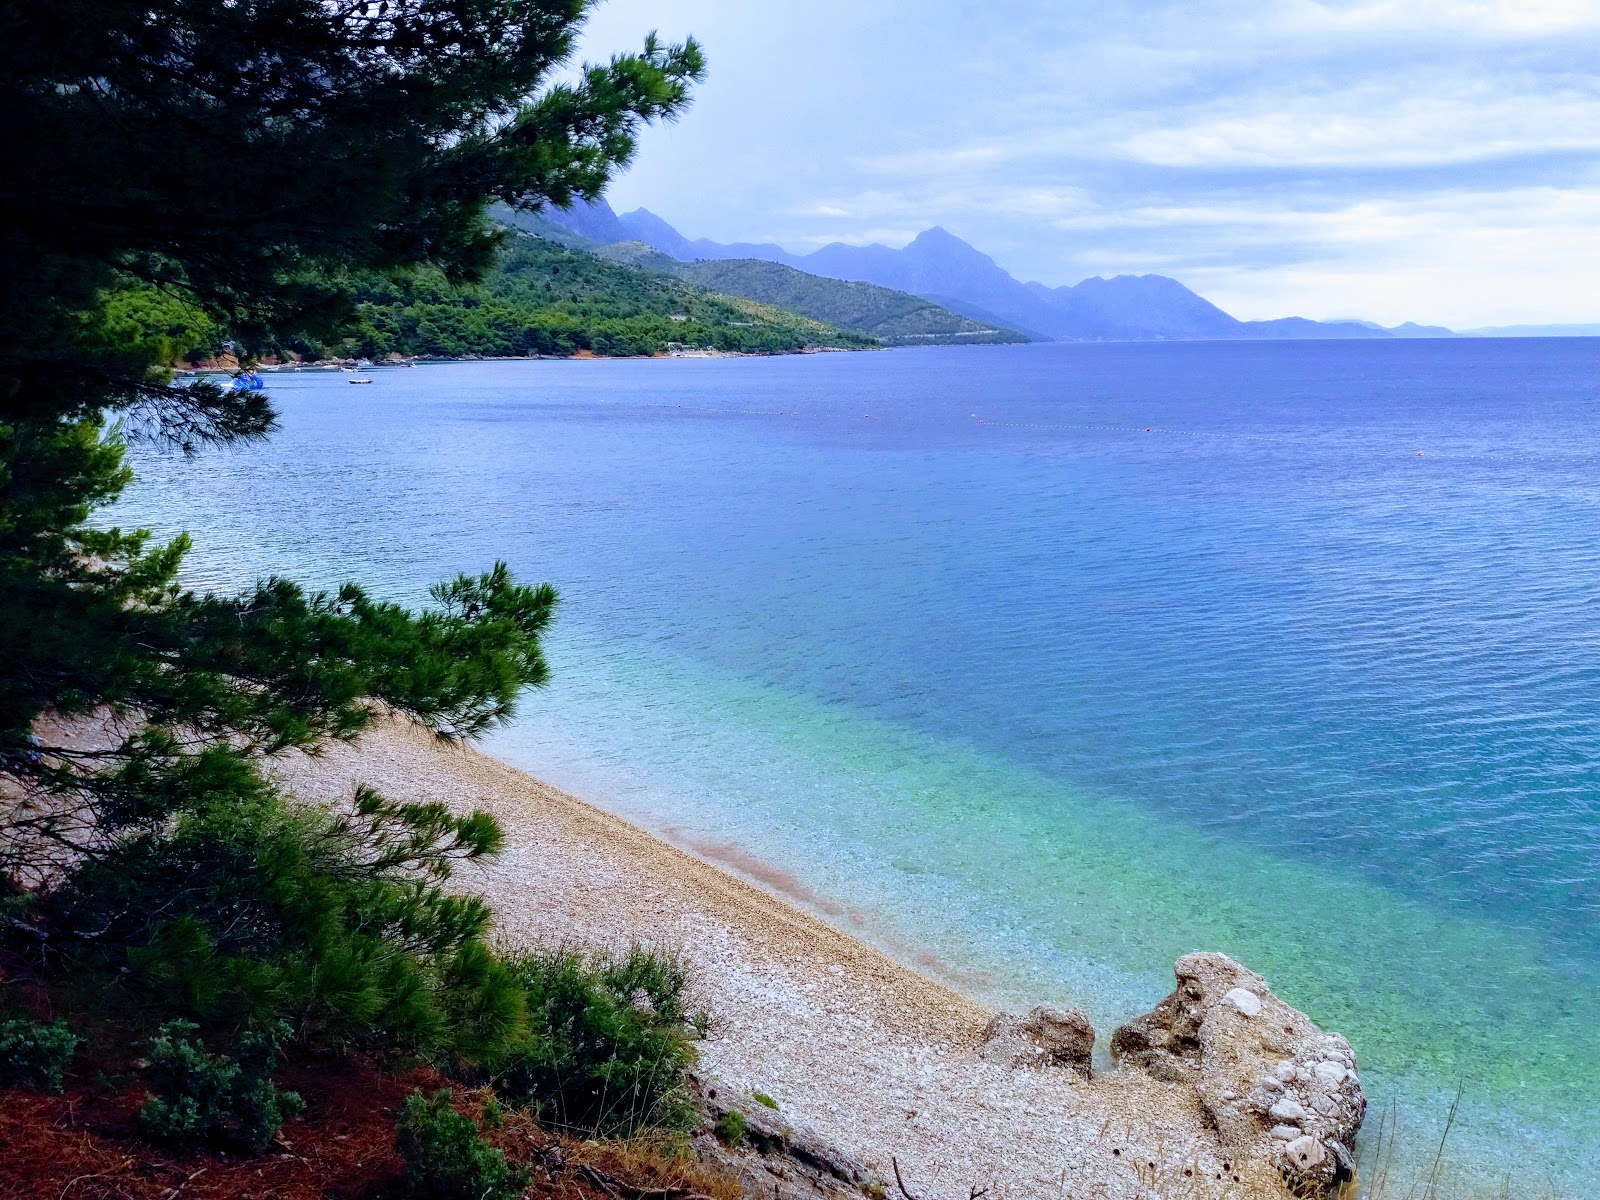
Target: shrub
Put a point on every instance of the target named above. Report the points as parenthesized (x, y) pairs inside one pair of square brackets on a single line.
[(764, 1100), (35, 1055), (253, 909), (446, 1156), (610, 1042), (230, 1101), (730, 1127)]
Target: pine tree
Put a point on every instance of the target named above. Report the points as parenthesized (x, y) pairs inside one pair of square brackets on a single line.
[(194, 166)]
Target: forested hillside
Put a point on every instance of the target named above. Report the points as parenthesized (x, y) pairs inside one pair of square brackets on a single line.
[(897, 318), (893, 317), (544, 298)]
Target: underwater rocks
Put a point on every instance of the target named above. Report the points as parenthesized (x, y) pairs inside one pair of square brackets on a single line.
[(1276, 1086)]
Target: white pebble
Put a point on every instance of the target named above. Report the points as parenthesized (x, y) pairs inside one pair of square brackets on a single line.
[(1245, 1001)]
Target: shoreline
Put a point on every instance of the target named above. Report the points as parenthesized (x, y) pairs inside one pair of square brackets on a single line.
[(862, 1050), (229, 365)]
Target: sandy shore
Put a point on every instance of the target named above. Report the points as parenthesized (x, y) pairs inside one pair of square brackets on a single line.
[(871, 1055)]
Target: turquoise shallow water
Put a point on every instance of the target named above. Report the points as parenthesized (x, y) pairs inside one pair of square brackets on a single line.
[(1055, 662)]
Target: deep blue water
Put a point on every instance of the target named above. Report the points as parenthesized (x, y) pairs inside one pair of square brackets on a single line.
[(1056, 661)]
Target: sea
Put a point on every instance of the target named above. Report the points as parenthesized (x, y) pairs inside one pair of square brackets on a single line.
[(1042, 665)]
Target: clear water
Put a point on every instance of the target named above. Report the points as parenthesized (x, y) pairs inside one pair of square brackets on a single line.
[(1047, 664)]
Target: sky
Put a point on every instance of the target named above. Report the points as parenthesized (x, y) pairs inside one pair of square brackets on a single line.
[(1429, 160)]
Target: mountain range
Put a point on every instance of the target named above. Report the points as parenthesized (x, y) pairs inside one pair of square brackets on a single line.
[(885, 315), (941, 268)]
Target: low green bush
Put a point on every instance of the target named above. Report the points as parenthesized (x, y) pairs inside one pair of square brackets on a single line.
[(446, 1156), (35, 1055), (764, 1100), (730, 1127), (230, 1101), (609, 1045)]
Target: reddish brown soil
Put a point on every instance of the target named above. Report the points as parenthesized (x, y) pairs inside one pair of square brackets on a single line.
[(83, 1145)]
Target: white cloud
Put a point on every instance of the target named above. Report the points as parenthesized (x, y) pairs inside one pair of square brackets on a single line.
[(1376, 126), (1412, 119), (1482, 18), (1463, 258)]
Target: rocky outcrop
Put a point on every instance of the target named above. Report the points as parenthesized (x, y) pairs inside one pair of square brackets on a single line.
[(1277, 1087), (1046, 1037), (776, 1159)]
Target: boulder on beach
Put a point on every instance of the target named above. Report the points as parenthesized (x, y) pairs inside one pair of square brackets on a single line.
[(1277, 1087), (1046, 1037)]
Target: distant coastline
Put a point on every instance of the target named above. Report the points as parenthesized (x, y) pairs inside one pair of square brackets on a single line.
[(229, 365)]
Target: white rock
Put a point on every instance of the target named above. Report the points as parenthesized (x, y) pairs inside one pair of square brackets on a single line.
[(1225, 1033), (1287, 1110), (1245, 1001), (1306, 1152), (1329, 1073)]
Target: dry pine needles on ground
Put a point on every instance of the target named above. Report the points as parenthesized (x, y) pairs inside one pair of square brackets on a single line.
[(84, 1145)]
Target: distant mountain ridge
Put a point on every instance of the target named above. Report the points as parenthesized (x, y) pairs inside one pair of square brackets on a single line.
[(892, 317), (897, 318), (940, 267)]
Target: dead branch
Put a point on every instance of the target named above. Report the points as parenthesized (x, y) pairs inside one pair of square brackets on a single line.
[(626, 1191), (974, 1193)]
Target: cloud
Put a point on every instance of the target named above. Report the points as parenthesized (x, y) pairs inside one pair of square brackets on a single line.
[(1420, 118), (1481, 18), (1464, 257), (1377, 125)]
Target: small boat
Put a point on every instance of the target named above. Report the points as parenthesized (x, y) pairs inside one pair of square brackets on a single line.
[(244, 381), (358, 381)]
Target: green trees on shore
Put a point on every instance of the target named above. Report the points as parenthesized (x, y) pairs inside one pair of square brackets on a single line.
[(542, 298), (250, 165)]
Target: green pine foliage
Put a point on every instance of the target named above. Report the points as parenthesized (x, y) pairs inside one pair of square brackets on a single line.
[(447, 1157), (547, 299), (610, 1041), (151, 871), (730, 1127), (35, 1055), (246, 907), (223, 1100), (156, 326)]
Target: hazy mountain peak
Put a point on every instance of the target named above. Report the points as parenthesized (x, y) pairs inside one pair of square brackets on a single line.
[(939, 240), (592, 219), (646, 227)]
